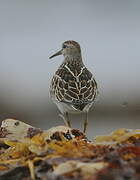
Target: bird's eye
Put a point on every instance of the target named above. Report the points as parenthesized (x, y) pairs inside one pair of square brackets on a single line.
[(64, 46)]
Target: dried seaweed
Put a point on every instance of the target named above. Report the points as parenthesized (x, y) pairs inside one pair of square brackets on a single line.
[(67, 154)]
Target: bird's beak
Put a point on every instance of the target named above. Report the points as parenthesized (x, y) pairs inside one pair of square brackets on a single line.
[(56, 54)]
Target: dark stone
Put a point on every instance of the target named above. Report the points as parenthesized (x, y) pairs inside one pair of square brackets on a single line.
[(3, 132), (16, 174), (33, 131), (67, 135), (56, 136)]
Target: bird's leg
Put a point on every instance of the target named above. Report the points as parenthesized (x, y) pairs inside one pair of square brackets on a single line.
[(85, 123), (68, 120), (65, 118), (62, 116)]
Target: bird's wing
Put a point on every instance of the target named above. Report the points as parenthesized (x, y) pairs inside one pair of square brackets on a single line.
[(77, 87)]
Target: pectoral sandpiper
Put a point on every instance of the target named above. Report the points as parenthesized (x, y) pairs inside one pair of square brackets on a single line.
[(73, 87)]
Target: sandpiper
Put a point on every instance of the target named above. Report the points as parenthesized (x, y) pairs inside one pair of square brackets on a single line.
[(73, 87)]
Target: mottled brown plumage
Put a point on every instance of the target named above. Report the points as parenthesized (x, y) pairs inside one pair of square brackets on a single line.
[(73, 86)]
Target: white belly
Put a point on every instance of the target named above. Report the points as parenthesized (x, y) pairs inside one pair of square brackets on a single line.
[(65, 107)]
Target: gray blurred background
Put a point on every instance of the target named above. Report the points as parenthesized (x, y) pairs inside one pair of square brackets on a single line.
[(109, 34)]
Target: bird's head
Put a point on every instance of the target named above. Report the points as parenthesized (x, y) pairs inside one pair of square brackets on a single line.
[(69, 49)]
